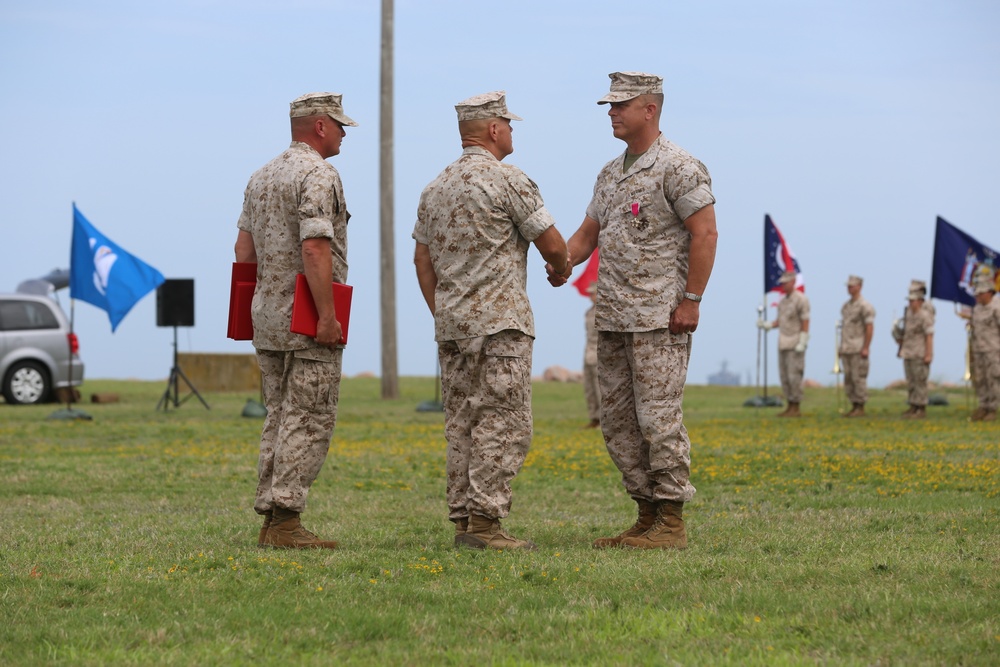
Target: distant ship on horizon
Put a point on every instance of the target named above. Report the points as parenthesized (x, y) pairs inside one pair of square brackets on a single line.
[(724, 377)]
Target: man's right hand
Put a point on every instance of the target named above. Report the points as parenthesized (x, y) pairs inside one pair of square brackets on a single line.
[(558, 279), (329, 333)]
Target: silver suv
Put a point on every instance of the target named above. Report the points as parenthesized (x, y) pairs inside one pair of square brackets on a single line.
[(37, 350)]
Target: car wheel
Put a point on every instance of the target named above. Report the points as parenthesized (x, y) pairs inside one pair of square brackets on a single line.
[(27, 383)]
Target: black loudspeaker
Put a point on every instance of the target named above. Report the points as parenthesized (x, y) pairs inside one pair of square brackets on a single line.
[(175, 303)]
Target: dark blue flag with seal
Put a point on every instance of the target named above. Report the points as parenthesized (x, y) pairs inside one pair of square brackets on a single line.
[(104, 275), (957, 258)]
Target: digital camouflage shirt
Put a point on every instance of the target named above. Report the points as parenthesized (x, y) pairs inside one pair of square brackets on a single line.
[(643, 241), (855, 315), (296, 196), (477, 218), (916, 327), (793, 310), (986, 327)]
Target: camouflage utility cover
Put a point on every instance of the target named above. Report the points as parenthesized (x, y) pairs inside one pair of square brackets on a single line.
[(629, 85), (320, 104), (487, 105)]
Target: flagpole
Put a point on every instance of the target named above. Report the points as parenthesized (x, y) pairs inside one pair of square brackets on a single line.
[(763, 307), (69, 339), (69, 412), (838, 330), (761, 400), (967, 376), (69, 344), (760, 332)]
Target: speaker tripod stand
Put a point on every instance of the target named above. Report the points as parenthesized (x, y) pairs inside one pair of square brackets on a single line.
[(172, 395)]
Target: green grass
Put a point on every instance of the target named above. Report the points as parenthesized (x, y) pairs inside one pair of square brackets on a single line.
[(130, 539)]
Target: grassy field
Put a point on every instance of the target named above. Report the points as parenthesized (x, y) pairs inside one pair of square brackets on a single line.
[(130, 539)]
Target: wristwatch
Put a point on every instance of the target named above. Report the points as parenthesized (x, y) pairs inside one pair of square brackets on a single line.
[(692, 297)]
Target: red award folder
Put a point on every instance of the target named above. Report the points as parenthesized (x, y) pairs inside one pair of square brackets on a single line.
[(240, 297), (304, 315)]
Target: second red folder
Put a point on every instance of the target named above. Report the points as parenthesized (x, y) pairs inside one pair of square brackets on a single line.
[(305, 316)]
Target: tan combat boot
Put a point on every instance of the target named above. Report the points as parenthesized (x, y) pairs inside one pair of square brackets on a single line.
[(858, 410), (461, 527), (909, 412), (486, 533), (792, 411), (919, 412), (287, 532), (978, 415), (667, 531), (990, 416), (647, 514), (263, 529)]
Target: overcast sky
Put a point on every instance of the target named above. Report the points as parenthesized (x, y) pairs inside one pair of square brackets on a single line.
[(853, 123)]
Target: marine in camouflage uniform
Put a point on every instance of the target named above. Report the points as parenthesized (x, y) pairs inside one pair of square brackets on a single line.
[(916, 349), (985, 347), (294, 220), (857, 317), (652, 216), (475, 222), (793, 337)]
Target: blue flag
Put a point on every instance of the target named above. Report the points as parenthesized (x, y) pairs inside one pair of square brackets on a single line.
[(957, 258), (778, 258), (104, 275)]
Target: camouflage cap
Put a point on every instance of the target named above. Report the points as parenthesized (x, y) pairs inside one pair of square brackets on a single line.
[(917, 290), (787, 277), (320, 104), (854, 280), (487, 105), (628, 85), (984, 282)]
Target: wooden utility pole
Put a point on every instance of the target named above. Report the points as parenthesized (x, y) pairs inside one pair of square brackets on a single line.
[(387, 262)]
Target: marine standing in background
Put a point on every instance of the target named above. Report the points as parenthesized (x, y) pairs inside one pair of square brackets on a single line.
[(857, 318), (591, 380), (474, 224), (793, 338), (985, 347), (915, 335), (653, 216), (294, 220)]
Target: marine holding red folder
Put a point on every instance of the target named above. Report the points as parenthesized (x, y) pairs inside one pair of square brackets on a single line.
[(294, 227)]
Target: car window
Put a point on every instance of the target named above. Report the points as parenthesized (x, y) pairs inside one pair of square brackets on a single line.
[(18, 315)]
